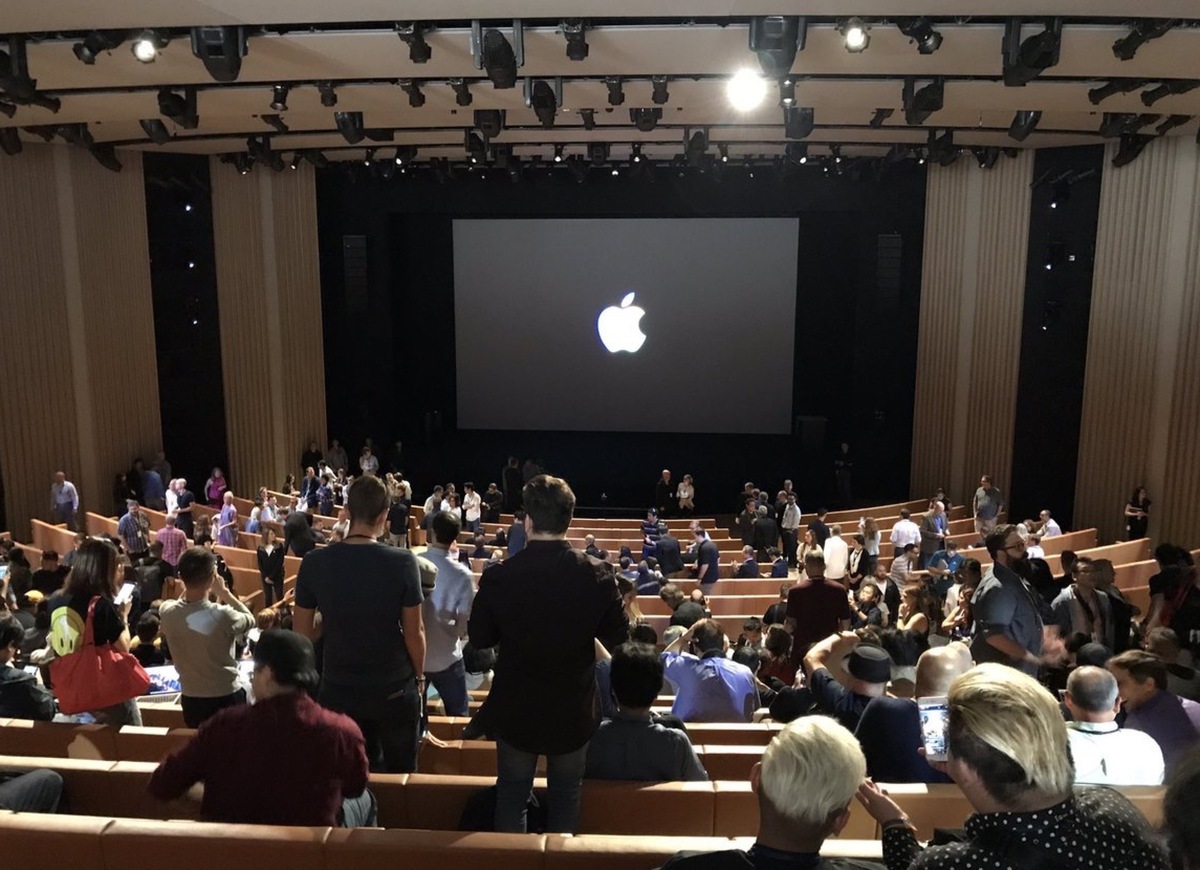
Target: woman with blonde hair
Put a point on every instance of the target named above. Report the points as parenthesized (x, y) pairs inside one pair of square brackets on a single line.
[(807, 545), (629, 600), (870, 532), (686, 493)]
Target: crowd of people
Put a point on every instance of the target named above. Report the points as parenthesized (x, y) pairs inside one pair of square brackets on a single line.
[(344, 666)]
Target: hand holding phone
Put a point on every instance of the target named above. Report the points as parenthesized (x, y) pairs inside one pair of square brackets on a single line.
[(124, 593), (934, 713)]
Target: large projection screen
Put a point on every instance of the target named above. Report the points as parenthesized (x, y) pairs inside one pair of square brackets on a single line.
[(719, 296)]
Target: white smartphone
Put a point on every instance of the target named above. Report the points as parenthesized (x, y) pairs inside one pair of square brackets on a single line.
[(124, 593), (934, 713)]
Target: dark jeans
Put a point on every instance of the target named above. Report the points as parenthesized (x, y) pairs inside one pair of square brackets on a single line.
[(514, 783), (451, 685), (272, 592), (197, 710), (389, 718), (65, 514), (790, 544), (35, 792), (359, 812)]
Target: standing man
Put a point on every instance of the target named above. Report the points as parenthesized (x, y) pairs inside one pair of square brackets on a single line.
[(510, 479), (336, 457), (1082, 609), (789, 527), (364, 598), (837, 555), (311, 458), (933, 532), (987, 504), (708, 559), (445, 613), (1008, 620), (545, 608), (905, 532), (64, 500), (667, 551), (173, 541), (202, 636), (134, 531), (816, 607), (472, 506), (766, 533), (664, 494), (820, 531), (183, 512)]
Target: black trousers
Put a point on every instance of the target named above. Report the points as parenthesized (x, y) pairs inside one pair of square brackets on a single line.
[(197, 710), (390, 721)]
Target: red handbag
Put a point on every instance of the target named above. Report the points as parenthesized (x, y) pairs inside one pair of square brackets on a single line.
[(95, 677)]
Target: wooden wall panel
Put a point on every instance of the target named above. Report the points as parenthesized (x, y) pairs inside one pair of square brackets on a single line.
[(1130, 335), (972, 292), (38, 434)]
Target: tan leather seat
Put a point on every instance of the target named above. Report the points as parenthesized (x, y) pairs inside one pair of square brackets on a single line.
[(57, 740), (184, 846), (660, 808), (623, 853), (43, 841), (367, 849), (149, 744)]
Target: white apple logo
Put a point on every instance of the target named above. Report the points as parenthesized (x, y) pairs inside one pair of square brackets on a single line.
[(619, 328)]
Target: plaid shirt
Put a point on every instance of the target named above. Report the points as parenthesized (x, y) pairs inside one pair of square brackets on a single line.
[(135, 533), (174, 543)]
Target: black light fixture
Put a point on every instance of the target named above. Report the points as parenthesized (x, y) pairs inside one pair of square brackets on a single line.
[(490, 122), (645, 119), (659, 93), (856, 35), (96, 42), (1116, 86), (279, 95), (294, 163), (474, 146), (558, 153), (368, 156), (316, 158), (787, 92), (462, 92), (942, 148), (45, 132), (797, 152), (1131, 145), (10, 141), (499, 59), (798, 122), (987, 157), (920, 31), (1144, 30), (156, 130), (413, 35), (575, 30), (416, 99), (1113, 124), (1060, 192), (7, 109), (1171, 123), (147, 44), (635, 154), (723, 152), (1175, 86), (276, 122), (589, 118), (328, 94), (179, 108), (544, 102), (597, 153), (405, 154), (1025, 61), (616, 92), (221, 49), (775, 39), (106, 157), (1023, 123), (350, 125), (15, 82), (880, 116), (920, 104)]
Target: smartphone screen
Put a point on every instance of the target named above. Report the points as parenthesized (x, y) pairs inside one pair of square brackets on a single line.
[(935, 717), (124, 593)]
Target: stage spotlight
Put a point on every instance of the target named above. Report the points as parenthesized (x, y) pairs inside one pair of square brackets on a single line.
[(589, 118), (416, 99), (919, 105), (558, 153), (499, 59), (797, 152), (574, 30), (645, 119), (475, 147), (987, 157), (413, 35), (368, 156), (7, 109), (221, 49), (855, 34), (294, 163), (462, 93), (156, 130), (659, 95), (597, 153), (10, 141), (316, 158), (490, 122), (1117, 123), (180, 109), (880, 116), (1025, 61), (1023, 123), (279, 95), (746, 90), (1144, 30), (636, 154), (147, 45), (1171, 123), (787, 93), (350, 125), (328, 94), (920, 31), (723, 150), (544, 103), (106, 157), (1060, 192), (96, 42), (776, 39), (1117, 86), (942, 148), (797, 122), (15, 84), (405, 154), (276, 122), (616, 92), (1175, 86)]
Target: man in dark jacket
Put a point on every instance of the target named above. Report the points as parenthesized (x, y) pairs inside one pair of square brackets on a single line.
[(666, 550), (766, 533), (20, 695), (545, 608)]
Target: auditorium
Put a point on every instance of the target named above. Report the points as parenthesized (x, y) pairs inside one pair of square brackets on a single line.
[(700, 435)]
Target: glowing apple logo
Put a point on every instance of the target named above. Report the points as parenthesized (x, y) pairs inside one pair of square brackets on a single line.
[(619, 328)]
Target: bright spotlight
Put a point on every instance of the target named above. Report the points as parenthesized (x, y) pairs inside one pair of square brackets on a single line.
[(854, 32), (746, 90)]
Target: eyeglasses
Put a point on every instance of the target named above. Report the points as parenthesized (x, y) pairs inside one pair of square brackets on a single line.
[(1016, 546)]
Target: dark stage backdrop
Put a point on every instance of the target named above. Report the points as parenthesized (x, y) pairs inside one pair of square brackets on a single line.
[(387, 268)]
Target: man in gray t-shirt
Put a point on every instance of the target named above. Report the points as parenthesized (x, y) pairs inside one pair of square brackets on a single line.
[(988, 504)]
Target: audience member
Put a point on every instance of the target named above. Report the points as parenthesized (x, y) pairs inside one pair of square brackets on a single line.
[(214, 489), (1048, 527), (173, 540), (820, 531), (298, 536), (933, 531), (905, 532), (227, 522), (64, 501), (843, 676), (1182, 678), (789, 530), (147, 646), (185, 501), (1180, 820), (516, 534), (943, 565), (777, 612), (446, 611), (766, 533), (837, 555), (48, 579), (866, 608), (270, 567), (667, 551), (684, 611), (708, 558), (38, 791), (134, 530), (748, 567), (1123, 611), (1104, 753), (709, 687), (20, 695), (816, 607), (986, 507), (1081, 610), (1172, 721)]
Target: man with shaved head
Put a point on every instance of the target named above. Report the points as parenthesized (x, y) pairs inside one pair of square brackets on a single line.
[(890, 728), (1104, 753)]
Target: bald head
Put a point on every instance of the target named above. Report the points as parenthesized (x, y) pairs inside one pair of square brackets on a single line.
[(937, 668), (1092, 694)]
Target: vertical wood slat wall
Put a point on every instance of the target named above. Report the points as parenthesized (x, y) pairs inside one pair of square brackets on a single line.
[(1141, 402), (67, 363), (269, 298), (969, 345)]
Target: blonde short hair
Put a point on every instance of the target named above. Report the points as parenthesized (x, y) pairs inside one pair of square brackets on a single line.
[(997, 708), (811, 770)]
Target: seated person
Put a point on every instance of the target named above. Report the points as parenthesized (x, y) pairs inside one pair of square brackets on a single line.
[(866, 607), (779, 565), (1104, 753), (943, 565), (630, 745), (890, 728), (147, 649), (480, 548), (37, 791), (776, 614), (684, 611), (1181, 823), (752, 633), (1183, 679), (709, 687), (649, 578), (245, 785), (1005, 739), (20, 695), (778, 666), (836, 689), (589, 547), (805, 783), (1173, 722), (748, 567), (626, 569)]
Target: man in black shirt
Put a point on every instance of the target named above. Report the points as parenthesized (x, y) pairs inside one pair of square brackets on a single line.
[(664, 494), (48, 579), (545, 607), (492, 499), (311, 458), (708, 560), (398, 521), (818, 528), (766, 533), (777, 612), (666, 550), (805, 784)]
